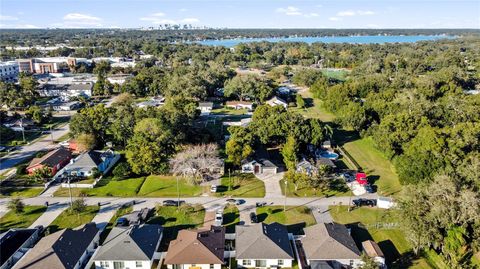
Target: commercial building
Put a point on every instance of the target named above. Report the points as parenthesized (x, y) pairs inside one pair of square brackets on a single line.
[(9, 71), (48, 64)]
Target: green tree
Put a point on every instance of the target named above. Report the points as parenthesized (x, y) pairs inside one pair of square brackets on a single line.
[(85, 142), (150, 147), (300, 101), (368, 263), (289, 153), (79, 205), (239, 145)]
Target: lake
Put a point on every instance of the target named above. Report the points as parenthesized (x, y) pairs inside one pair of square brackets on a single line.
[(327, 39)]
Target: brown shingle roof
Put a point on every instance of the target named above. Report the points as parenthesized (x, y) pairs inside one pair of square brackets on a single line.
[(372, 249), (206, 245), (52, 158)]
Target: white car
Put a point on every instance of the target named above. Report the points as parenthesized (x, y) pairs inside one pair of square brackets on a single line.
[(218, 219), (213, 188)]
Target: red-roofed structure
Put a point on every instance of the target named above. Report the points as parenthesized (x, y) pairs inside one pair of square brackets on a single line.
[(361, 178)]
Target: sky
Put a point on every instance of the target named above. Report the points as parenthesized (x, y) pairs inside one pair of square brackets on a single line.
[(240, 13)]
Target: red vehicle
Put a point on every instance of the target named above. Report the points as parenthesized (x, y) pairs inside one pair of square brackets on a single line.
[(361, 178)]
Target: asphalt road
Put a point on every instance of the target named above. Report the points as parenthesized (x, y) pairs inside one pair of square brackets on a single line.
[(44, 142)]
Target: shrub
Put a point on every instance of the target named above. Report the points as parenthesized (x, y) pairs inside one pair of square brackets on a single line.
[(79, 205), (16, 205), (22, 169), (122, 171)]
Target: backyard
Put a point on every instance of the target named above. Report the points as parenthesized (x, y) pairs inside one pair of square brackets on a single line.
[(70, 219), (381, 226), (21, 220), (295, 217), (242, 185)]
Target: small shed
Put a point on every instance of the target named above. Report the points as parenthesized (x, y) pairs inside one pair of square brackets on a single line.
[(373, 251), (385, 202)]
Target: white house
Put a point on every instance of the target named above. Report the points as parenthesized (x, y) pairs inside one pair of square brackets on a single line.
[(130, 247), (263, 245), (69, 249), (66, 90), (197, 249), (205, 108), (277, 101), (259, 166), (331, 244)]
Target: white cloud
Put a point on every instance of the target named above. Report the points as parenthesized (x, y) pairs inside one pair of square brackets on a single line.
[(319, 6), (159, 18), (190, 20), (19, 26), (349, 13), (8, 18), (335, 19), (310, 15), (79, 20), (289, 11), (182, 9)]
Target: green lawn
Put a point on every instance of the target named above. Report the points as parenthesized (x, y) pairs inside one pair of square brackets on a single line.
[(120, 212), (315, 108), (231, 217), (174, 219), (69, 219), (21, 220), (337, 188), (20, 191), (243, 185), (375, 165), (295, 217), (107, 187), (338, 74), (166, 186), (365, 225)]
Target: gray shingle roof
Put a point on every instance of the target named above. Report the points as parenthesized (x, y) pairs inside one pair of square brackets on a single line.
[(329, 241), (62, 249), (263, 241), (87, 160), (134, 243)]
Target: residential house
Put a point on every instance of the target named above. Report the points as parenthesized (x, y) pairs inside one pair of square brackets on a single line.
[(306, 167), (277, 101), (239, 105), (285, 90), (69, 249), (263, 245), (130, 247), (373, 251), (326, 161), (330, 243), (20, 124), (197, 249), (14, 243), (55, 160), (259, 166), (66, 106), (153, 102), (84, 165), (205, 108)]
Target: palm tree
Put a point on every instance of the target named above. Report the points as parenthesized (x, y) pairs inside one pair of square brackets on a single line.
[(328, 131)]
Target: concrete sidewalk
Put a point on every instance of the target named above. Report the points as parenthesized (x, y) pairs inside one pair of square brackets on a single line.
[(50, 215)]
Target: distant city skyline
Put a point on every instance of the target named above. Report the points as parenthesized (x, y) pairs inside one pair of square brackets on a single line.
[(240, 14)]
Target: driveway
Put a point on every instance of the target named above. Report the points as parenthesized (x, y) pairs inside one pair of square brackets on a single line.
[(322, 214), (50, 214), (272, 185), (104, 215)]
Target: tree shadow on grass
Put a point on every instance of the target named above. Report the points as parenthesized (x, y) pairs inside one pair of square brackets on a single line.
[(343, 136)]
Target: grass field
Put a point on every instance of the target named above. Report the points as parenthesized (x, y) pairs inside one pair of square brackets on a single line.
[(231, 217), (338, 74), (243, 185), (20, 191), (295, 217), (365, 224), (315, 108), (377, 167), (69, 219), (21, 220), (166, 186), (107, 187), (174, 220)]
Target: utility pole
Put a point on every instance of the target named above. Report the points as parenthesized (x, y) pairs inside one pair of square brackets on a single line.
[(285, 192), (51, 134), (23, 129), (178, 193), (70, 191)]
